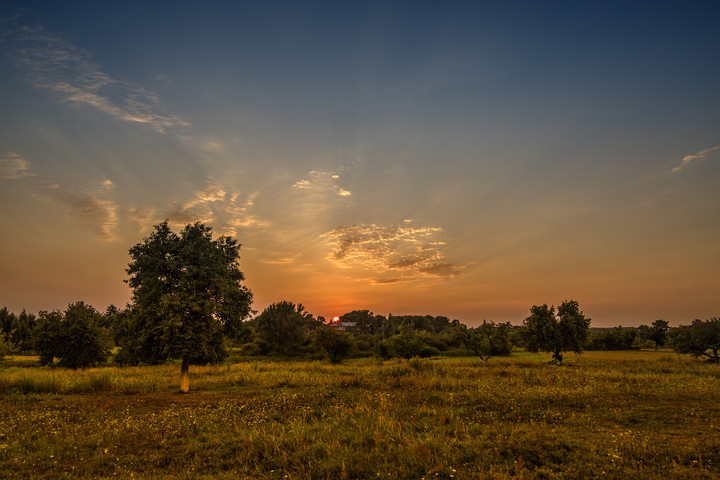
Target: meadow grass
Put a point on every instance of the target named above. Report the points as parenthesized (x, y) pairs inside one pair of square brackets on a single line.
[(602, 415)]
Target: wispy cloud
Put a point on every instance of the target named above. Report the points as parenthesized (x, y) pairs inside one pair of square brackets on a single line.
[(53, 63), (14, 166), (92, 209), (320, 182), (393, 252), (211, 204), (687, 159), (97, 213)]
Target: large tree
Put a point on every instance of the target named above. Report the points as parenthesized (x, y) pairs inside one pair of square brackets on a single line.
[(567, 331), (187, 297)]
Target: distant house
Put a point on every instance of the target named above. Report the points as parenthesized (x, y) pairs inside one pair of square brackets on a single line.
[(343, 326)]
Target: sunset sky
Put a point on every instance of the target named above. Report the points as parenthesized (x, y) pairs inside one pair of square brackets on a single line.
[(467, 159)]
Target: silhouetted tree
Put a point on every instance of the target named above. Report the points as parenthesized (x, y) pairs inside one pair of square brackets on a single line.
[(546, 332), (658, 332), (187, 296), (6, 320), (364, 320), (701, 339)]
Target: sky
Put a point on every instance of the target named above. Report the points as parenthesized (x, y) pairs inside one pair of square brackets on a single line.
[(466, 159)]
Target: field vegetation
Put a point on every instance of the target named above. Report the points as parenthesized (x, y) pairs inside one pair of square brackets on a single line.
[(640, 415), (401, 397)]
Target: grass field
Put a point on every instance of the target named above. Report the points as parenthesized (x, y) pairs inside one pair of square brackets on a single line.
[(624, 415)]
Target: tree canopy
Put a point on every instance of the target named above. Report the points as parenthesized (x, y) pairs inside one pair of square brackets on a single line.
[(566, 331), (187, 297), (701, 339), (489, 339), (283, 328), (74, 337)]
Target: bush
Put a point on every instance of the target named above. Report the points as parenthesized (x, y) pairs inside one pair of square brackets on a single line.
[(407, 344), (618, 338), (73, 337), (336, 344)]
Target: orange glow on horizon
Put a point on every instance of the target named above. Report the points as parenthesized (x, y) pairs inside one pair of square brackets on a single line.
[(336, 319)]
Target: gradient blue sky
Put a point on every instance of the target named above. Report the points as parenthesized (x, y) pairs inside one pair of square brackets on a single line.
[(468, 159)]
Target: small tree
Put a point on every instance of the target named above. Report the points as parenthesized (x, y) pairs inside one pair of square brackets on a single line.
[(701, 339), (489, 339), (284, 327), (547, 332), (7, 319), (336, 344), (187, 297), (6, 347), (658, 332), (47, 336), (407, 344), (75, 337), (21, 331)]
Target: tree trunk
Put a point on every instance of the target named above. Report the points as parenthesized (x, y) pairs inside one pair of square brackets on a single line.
[(185, 375), (557, 358)]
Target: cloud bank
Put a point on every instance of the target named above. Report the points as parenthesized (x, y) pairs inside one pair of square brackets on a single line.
[(393, 252)]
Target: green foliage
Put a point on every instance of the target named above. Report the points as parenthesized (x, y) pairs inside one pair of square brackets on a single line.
[(489, 339), (47, 336), (138, 338), (618, 338), (187, 297), (701, 339), (659, 332), (21, 329), (568, 331), (6, 320), (74, 337), (283, 328), (407, 344), (6, 347), (337, 344)]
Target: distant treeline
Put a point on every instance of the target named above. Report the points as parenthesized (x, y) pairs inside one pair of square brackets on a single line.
[(81, 336)]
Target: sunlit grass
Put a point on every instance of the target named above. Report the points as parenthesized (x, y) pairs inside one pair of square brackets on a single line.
[(603, 415)]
